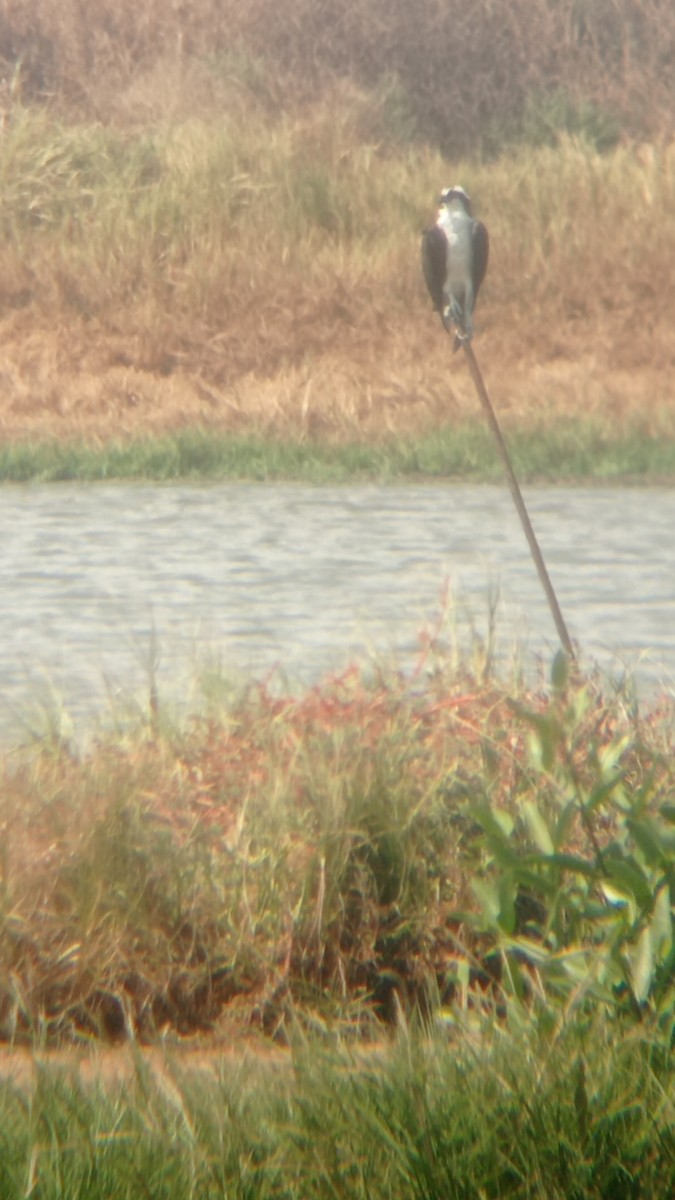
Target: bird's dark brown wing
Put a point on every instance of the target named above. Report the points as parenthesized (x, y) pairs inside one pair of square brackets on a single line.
[(481, 253), (434, 263)]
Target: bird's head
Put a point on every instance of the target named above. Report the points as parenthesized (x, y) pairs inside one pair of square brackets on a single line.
[(453, 195)]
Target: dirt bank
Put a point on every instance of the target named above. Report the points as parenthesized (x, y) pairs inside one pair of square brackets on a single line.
[(78, 381), (116, 1067)]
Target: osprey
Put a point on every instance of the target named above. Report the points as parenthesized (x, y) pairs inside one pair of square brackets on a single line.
[(454, 259)]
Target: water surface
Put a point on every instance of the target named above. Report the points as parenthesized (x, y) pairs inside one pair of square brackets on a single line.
[(98, 578)]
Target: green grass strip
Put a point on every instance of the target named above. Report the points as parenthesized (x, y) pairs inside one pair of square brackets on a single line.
[(510, 1116), (570, 452)]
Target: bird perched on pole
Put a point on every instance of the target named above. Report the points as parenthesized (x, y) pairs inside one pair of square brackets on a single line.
[(454, 259)]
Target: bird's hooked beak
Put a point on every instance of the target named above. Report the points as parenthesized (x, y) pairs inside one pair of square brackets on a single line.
[(450, 194)]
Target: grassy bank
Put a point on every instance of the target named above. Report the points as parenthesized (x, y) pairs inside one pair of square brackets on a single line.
[(211, 218), (572, 452), (260, 276), (395, 938), (582, 1110)]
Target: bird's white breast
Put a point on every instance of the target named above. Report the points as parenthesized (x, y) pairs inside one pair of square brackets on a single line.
[(456, 225)]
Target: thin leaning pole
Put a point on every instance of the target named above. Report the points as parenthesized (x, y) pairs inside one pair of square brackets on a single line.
[(539, 563)]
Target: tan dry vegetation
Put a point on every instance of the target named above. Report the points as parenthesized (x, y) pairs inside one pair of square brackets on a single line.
[(309, 854), (116, 1068), (346, 346), (216, 219), (463, 75)]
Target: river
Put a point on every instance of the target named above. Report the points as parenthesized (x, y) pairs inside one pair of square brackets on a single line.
[(106, 585)]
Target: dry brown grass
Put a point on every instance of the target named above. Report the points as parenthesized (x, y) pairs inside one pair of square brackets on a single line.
[(259, 270), (463, 74), (309, 851), (87, 393)]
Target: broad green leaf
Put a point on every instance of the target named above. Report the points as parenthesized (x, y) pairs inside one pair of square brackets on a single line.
[(488, 898), (609, 757), (662, 924), (642, 966), (582, 703), (619, 905), (497, 902), (575, 961), (617, 897), (462, 972), (629, 878), (544, 741), (535, 952), (538, 827), (564, 823), (504, 820), (648, 837), (504, 855), (601, 792), (495, 821), (570, 862)]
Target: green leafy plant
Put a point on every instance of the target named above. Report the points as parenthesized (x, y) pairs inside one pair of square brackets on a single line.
[(577, 879)]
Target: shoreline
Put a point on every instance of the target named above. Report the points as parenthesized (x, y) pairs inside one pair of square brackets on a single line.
[(573, 452), (337, 417)]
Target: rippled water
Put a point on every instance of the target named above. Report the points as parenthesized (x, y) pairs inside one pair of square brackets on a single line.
[(307, 579)]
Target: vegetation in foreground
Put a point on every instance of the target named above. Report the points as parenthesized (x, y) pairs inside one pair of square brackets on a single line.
[(367, 849), (583, 1110), (450, 903)]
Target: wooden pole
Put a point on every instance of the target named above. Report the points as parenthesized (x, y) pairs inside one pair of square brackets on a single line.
[(518, 501)]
